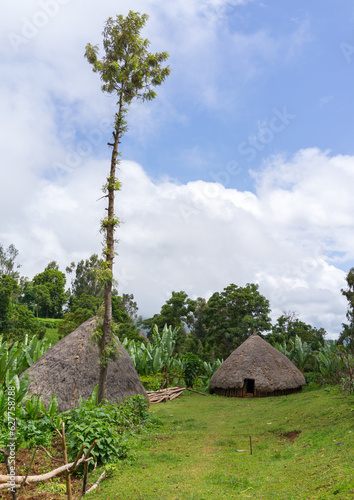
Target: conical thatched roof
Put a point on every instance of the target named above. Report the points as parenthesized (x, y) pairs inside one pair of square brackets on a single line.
[(70, 369), (256, 360)]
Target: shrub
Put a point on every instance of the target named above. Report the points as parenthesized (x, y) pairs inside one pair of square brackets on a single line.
[(193, 367), (152, 382), (109, 423)]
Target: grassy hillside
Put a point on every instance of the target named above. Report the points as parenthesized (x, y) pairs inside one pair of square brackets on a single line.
[(51, 328), (303, 449)]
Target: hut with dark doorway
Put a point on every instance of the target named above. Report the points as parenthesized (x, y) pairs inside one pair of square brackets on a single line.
[(70, 369), (256, 369)]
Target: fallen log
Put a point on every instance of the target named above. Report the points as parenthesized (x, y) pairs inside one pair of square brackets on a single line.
[(42, 477)]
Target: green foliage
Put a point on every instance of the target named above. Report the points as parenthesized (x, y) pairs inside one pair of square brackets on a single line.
[(287, 327), (177, 312), (347, 335), (193, 367), (8, 289), (109, 423), (156, 356), (23, 322), (152, 382), (7, 262), (127, 68), (87, 280), (328, 362), (50, 288), (16, 358), (72, 320), (231, 316), (301, 352)]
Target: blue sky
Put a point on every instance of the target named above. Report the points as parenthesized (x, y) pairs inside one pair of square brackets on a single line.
[(304, 71), (241, 170)]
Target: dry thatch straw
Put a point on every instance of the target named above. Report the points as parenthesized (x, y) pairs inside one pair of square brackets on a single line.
[(256, 368), (70, 369)]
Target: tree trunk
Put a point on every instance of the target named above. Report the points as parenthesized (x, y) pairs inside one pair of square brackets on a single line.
[(110, 225)]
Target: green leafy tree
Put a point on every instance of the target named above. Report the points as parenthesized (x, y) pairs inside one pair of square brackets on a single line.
[(35, 297), (50, 281), (129, 72), (87, 280), (347, 335), (23, 322), (231, 316), (193, 366), (7, 262), (86, 301), (8, 290), (72, 320), (288, 327), (177, 312), (124, 312)]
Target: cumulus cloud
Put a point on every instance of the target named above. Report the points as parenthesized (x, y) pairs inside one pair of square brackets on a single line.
[(292, 235), (200, 236)]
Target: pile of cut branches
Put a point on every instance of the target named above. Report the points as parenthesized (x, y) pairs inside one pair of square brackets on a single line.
[(169, 394), (165, 394)]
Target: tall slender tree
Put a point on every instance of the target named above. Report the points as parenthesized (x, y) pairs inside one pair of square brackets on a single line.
[(129, 72)]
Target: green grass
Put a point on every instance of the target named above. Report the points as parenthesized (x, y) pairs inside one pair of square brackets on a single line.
[(51, 328), (195, 454)]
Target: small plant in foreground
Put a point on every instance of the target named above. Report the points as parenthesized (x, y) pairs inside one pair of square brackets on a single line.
[(109, 423)]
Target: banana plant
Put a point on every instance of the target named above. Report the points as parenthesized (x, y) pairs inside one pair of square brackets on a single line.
[(301, 352), (283, 348), (35, 408), (15, 359), (329, 363), (155, 356), (211, 367)]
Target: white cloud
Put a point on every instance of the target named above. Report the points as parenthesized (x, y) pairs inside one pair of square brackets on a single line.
[(200, 237), (291, 236)]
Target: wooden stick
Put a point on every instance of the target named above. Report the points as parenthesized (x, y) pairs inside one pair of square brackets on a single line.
[(93, 487), (78, 456), (84, 482), (8, 486), (28, 471), (49, 455), (193, 390), (44, 477), (251, 444), (89, 450), (67, 473)]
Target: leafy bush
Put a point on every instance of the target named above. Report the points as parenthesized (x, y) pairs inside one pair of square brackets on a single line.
[(109, 423), (16, 358), (157, 355), (193, 367), (72, 320), (152, 382)]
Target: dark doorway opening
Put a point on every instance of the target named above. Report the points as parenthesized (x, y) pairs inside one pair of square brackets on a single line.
[(250, 385)]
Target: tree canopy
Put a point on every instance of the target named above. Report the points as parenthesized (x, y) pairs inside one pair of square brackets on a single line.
[(231, 316)]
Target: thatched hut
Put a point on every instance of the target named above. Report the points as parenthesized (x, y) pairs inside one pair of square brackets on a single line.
[(256, 369), (70, 369)]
